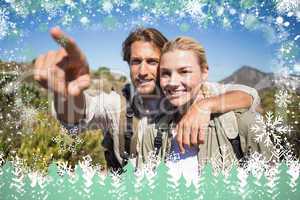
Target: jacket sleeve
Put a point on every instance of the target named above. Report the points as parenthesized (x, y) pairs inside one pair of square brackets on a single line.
[(101, 112), (217, 89)]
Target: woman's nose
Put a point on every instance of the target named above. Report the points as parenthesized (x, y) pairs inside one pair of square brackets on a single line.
[(174, 80)]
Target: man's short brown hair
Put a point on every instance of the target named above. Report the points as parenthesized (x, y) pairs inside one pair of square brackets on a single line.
[(151, 35)]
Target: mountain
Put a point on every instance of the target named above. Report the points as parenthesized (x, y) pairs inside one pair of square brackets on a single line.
[(251, 77)]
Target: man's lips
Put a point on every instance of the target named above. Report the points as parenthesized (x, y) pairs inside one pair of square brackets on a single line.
[(143, 81)]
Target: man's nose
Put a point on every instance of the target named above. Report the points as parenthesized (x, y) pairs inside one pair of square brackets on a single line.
[(143, 69)]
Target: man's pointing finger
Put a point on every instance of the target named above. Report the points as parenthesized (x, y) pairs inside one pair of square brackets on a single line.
[(66, 42)]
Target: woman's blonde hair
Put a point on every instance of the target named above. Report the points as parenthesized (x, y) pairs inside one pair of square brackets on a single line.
[(187, 44)]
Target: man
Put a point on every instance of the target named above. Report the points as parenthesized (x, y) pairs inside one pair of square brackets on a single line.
[(66, 73)]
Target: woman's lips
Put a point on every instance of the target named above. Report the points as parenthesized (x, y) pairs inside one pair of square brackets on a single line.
[(176, 94)]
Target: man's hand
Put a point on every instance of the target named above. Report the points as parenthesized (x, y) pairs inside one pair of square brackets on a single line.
[(192, 126), (65, 71)]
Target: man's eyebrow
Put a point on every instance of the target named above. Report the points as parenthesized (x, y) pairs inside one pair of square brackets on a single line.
[(135, 58), (148, 58), (155, 59)]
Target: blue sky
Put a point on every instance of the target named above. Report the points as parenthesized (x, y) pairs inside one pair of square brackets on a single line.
[(227, 49)]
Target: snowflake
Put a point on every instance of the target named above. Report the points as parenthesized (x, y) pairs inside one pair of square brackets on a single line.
[(107, 6), (11, 87), (298, 15), (135, 5), (284, 78), (3, 23), (53, 9), (282, 98), (256, 164), (220, 11), (281, 151), (297, 65), (293, 171), (174, 157), (63, 168), (84, 21), (67, 19), (18, 181), (272, 174), (242, 176), (194, 8), (283, 6), (268, 130), (37, 177), (152, 162), (28, 115), (88, 170), (1, 159), (146, 18), (86, 162), (64, 147), (223, 162), (20, 8), (250, 21), (116, 177), (70, 3)]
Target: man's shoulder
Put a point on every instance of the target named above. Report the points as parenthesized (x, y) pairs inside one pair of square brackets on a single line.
[(214, 88)]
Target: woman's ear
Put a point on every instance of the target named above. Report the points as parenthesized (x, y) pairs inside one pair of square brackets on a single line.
[(204, 72)]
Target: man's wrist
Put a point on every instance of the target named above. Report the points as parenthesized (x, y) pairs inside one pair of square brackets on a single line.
[(205, 105)]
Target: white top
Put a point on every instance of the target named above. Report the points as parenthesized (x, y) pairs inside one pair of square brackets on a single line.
[(185, 164)]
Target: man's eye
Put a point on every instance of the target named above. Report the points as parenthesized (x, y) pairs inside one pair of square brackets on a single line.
[(152, 62), (135, 62)]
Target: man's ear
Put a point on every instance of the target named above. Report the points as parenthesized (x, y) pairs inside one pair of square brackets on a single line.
[(204, 72)]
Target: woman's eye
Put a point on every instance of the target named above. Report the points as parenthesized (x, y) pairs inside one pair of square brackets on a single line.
[(185, 71), (165, 74)]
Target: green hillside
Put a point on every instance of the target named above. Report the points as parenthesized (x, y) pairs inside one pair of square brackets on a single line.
[(30, 132)]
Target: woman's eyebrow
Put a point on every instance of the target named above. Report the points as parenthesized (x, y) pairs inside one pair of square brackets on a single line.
[(186, 67), (164, 69)]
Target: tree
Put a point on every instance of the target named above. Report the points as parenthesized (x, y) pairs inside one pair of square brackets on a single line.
[(232, 185), (162, 183), (181, 188), (284, 181), (129, 181), (208, 183)]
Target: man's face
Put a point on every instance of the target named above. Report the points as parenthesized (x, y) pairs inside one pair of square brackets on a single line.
[(144, 63)]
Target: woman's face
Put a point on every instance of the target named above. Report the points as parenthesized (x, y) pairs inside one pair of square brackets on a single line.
[(181, 76)]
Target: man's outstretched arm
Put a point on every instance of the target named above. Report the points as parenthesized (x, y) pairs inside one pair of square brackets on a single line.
[(65, 72)]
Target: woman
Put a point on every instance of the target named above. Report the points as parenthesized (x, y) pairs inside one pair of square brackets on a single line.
[(183, 79)]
